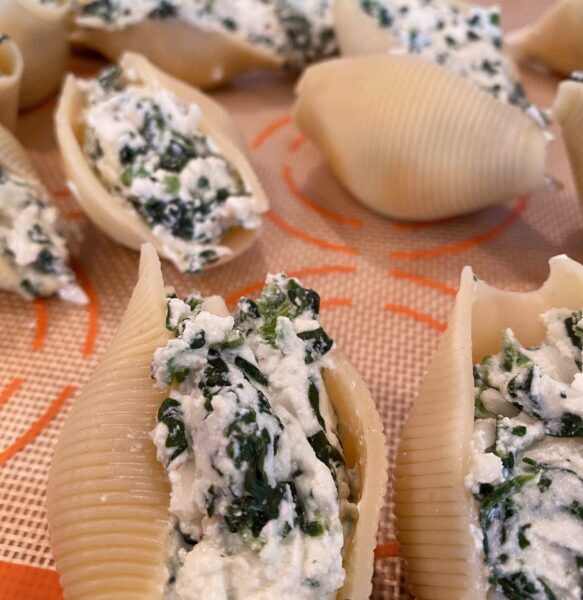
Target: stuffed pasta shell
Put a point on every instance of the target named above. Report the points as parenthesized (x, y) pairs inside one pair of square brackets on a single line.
[(151, 159), (568, 111), (555, 40), (489, 477), (41, 30), (34, 259), (418, 142), (216, 454), (11, 68)]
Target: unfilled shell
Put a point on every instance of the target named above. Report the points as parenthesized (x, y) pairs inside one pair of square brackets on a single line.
[(555, 40), (413, 141), (432, 505), (200, 57), (107, 496), (11, 69), (123, 225), (42, 34), (568, 111)]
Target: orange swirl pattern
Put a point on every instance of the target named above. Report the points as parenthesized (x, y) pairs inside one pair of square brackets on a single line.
[(42, 323), (10, 390), (422, 317)]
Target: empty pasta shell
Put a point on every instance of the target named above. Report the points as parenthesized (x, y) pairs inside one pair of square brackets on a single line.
[(433, 507), (11, 68), (107, 496), (113, 218), (568, 110), (203, 58), (41, 31), (556, 40), (415, 141)]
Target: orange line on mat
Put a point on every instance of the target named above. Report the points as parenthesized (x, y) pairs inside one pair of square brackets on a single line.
[(22, 582), (405, 226), (37, 427), (268, 131), (335, 302), (388, 550), (258, 285), (10, 390), (42, 323), (418, 316), (297, 142), (465, 244), (289, 181), (63, 192), (92, 310), (306, 237), (432, 283)]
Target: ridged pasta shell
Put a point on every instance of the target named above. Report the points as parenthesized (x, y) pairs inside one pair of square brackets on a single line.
[(556, 40), (42, 34), (107, 496), (11, 69), (432, 505), (202, 58), (568, 111), (414, 141), (123, 225)]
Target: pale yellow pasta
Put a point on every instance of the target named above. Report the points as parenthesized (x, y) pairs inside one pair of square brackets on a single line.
[(126, 226), (568, 111), (434, 509), (415, 141), (41, 31), (11, 68), (108, 497), (555, 40), (204, 58)]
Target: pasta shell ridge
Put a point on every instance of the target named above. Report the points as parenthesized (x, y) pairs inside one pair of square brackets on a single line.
[(125, 555), (417, 142), (118, 221), (434, 510)]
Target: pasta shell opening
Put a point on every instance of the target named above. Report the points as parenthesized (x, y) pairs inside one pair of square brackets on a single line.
[(11, 69)]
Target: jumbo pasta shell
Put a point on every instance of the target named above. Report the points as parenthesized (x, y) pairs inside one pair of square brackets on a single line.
[(123, 225), (108, 498), (556, 40), (203, 58), (414, 141), (42, 33), (11, 69), (432, 505), (568, 111)]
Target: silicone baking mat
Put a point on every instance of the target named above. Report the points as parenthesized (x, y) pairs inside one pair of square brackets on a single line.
[(386, 286)]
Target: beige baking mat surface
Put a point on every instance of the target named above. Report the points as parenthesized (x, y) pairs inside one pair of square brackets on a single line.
[(387, 288)]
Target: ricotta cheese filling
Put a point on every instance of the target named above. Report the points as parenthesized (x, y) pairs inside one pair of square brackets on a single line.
[(527, 462), (32, 242), (260, 503), (467, 44), (299, 30), (149, 152)]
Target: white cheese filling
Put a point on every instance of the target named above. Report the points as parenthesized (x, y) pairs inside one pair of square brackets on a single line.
[(32, 242), (148, 150), (260, 498), (527, 463)]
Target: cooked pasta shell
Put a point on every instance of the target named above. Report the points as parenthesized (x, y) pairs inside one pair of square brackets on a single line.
[(415, 141), (568, 110), (432, 505), (203, 58), (556, 40), (123, 225), (107, 496), (11, 68), (41, 31)]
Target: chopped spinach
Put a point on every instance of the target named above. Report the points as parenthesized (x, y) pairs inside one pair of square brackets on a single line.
[(170, 413)]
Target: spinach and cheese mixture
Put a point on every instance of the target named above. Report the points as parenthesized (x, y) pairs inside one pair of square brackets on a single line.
[(527, 474), (298, 30), (32, 242), (149, 152), (260, 504), (468, 44)]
